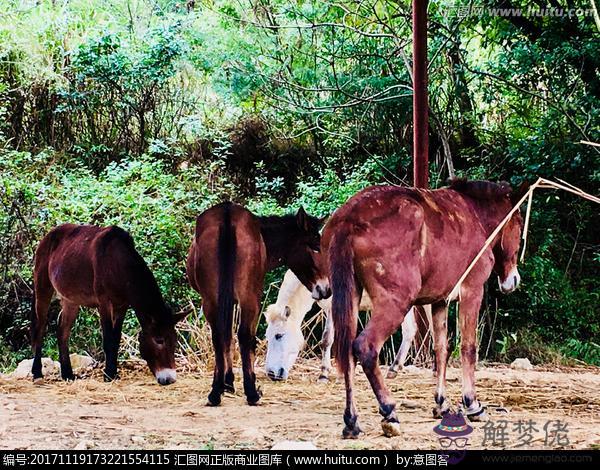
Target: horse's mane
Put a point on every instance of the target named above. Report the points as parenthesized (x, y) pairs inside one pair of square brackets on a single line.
[(480, 189)]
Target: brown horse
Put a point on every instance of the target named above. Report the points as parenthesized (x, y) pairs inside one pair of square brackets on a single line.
[(410, 246), (227, 262), (100, 267)]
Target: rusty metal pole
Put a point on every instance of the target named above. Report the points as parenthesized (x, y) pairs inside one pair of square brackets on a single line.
[(420, 103)]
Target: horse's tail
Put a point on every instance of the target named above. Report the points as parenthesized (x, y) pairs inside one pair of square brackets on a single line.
[(226, 253), (343, 286)]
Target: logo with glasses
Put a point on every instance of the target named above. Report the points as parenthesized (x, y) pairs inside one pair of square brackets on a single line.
[(453, 434)]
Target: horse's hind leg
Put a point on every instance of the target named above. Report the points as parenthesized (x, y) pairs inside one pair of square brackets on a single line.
[(249, 313), (229, 377), (218, 384), (326, 343), (387, 316), (409, 331), (67, 317), (39, 319), (111, 319), (468, 314), (439, 317)]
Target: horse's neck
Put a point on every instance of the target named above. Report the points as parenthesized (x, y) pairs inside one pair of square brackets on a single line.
[(293, 294), (276, 241), (145, 298), (489, 213), (289, 288)]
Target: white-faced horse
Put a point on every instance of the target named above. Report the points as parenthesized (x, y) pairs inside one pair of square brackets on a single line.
[(284, 331)]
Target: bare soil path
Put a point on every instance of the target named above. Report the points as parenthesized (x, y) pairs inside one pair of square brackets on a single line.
[(136, 413)]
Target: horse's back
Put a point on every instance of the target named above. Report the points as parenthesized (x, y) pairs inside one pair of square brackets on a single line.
[(77, 258)]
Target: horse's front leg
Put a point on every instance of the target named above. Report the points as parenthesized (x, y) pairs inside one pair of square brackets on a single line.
[(112, 325), (439, 319), (67, 317), (468, 314), (249, 313), (326, 343)]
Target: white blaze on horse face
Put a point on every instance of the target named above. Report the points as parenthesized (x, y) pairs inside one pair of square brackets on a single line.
[(166, 376), (511, 282), (284, 342)]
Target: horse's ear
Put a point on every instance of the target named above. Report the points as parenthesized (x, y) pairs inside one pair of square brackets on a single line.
[(302, 219), (271, 313), (287, 311), (518, 193)]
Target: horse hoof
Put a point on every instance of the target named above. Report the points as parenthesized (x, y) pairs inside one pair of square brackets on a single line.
[(38, 380), (390, 428), (438, 413), (229, 388), (323, 379), (392, 374), (214, 399), (68, 378), (351, 433), (110, 378), (253, 401), (254, 398)]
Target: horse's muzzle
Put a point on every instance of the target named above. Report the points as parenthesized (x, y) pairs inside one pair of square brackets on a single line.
[(321, 291), (511, 282), (166, 376)]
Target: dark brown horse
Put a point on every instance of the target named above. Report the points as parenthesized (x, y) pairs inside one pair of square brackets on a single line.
[(227, 262), (409, 246), (100, 267)]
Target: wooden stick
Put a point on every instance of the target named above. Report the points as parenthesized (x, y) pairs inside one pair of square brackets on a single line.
[(587, 142), (526, 225)]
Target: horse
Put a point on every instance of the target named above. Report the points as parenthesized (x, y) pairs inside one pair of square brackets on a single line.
[(240, 248), (409, 246), (99, 267), (284, 330)]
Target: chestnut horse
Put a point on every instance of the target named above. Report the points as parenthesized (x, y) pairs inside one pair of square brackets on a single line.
[(240, 248), (99, 267), (408, 246)]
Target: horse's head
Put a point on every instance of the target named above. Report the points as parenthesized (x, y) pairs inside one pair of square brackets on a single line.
[(284, 341), (304, 257), (158, 340), (506, 250)]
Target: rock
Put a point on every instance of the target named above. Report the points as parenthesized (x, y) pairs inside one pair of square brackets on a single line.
[(137, 439), (412, 369), (409, 404), (83, 445), (80, 362), (23, 370), (521, 363), (294, 445)]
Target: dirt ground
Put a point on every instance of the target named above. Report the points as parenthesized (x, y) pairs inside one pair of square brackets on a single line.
[(136, 413)]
